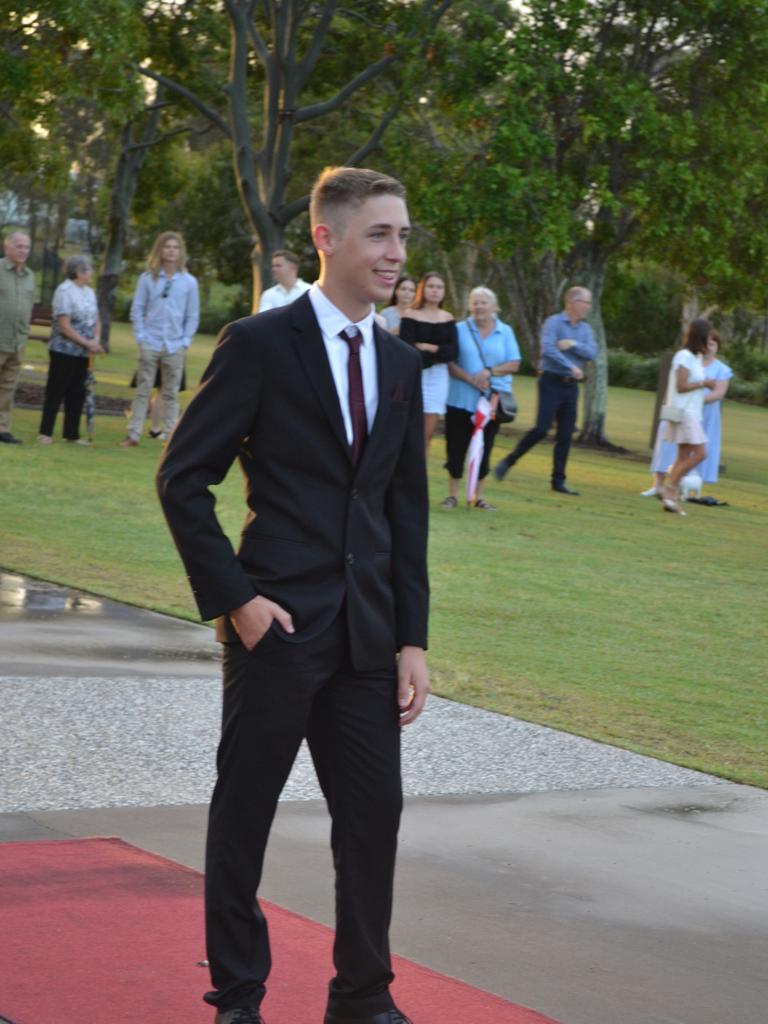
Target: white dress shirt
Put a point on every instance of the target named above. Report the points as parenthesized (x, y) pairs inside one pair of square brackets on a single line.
[(277, 296), (332, 322)]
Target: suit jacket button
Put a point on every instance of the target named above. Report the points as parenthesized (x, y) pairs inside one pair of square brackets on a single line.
[(350, 559), (355, 494)]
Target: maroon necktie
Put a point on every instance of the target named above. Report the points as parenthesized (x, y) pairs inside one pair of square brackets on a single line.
[(356, 397)]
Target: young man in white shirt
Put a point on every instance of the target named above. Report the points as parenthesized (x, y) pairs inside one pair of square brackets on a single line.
[(285, 270), (323, 610)]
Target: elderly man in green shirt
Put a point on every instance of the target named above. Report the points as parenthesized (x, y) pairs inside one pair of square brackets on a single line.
[(17, 296)]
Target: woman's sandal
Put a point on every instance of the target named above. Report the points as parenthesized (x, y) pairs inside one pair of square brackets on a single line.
[(484, 505), (669, 501), (449, 502)]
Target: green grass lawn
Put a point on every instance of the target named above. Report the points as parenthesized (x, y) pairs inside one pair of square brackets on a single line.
[(601, 615)]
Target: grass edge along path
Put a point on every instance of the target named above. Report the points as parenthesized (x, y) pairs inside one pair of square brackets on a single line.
[(598, 615)]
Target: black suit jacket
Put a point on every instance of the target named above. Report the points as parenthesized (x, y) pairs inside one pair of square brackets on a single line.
[(320, 533)]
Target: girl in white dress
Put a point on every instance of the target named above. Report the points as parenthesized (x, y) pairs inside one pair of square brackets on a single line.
[(664, 452), (685, 391)]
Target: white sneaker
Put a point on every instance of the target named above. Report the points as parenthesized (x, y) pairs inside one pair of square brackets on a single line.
[(652, 492)]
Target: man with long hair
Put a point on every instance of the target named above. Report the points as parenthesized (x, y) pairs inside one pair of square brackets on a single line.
[(165, 313)]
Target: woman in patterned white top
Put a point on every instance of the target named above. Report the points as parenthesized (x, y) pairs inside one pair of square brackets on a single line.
[(75, 335)]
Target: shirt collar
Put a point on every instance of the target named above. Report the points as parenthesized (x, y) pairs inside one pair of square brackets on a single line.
[(332, 321), (10, 265), (471, 321)]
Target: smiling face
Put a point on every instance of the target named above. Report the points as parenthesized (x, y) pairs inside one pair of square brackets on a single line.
[(481, 307), (361, 252), (17, 249)]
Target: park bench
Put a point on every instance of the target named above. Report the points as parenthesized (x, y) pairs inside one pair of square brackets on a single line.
[(40, 324)]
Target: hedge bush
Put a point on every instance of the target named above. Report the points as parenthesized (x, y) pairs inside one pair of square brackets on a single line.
[(749, 384)]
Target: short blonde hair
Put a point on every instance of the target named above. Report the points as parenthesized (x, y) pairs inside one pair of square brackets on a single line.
[(155, 258), (340, 190), (482, 289)]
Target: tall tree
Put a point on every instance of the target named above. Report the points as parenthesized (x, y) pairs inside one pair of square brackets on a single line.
[(284, 55), (566, 130), (54, 56)]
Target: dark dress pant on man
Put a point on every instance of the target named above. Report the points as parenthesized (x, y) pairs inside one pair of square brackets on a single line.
[(274, 695), (559, 401)]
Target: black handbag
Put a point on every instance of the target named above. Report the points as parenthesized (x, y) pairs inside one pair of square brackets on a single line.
[(506, 410)]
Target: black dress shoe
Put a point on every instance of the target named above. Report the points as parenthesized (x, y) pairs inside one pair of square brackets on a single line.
[(562, 489), (503, 467), (240, 1015), (7, 438), (386, 1017)]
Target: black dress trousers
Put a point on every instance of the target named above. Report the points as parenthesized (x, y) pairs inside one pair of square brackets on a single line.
[(274, 696), (66, 381)]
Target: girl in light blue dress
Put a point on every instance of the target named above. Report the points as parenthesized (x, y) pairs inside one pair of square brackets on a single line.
[(665, 452)]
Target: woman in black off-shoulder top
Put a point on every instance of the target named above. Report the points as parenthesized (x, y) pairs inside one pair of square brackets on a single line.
[(432, 330)]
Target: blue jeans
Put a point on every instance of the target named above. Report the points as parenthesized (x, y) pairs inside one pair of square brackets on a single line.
[(559, 401)]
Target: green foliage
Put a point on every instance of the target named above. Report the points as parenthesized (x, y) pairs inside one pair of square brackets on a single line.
[(642, 304), (58, 63), (628, 370), (571, 128), (748, 362)]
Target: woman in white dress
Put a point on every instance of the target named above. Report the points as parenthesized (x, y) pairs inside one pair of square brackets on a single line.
[(685, 392), (432, 330), (664, 452)]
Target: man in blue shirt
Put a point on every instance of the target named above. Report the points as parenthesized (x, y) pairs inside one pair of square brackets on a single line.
[(567, 343)]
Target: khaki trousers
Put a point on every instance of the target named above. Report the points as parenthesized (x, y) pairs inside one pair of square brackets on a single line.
[(171, 369), (10, 368)]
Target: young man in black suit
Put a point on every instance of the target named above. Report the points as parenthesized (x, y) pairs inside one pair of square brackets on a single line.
[(323, 610)]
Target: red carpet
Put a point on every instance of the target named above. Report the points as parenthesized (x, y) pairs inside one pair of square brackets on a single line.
[(97, 930)]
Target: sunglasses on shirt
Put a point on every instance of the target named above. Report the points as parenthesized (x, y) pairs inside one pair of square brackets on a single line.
[(166, 289)]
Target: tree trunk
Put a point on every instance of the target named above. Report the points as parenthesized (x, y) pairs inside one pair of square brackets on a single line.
[(532, 293), (261, 262), (129, 164), (596, 373), (262, 172)]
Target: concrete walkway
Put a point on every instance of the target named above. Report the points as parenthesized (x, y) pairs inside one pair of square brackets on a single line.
[(594, 885)]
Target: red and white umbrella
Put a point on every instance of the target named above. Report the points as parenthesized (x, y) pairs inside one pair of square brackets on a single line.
[(481, 416)]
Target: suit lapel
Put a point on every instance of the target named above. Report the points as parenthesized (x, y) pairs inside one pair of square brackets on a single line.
[(310, 349)]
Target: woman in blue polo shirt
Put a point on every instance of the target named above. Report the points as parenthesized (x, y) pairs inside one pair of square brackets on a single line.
[(488, 356)]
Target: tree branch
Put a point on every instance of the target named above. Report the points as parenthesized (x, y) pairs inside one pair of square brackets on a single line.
[(188, 95), (374, 140), (156, 142), (293, 209), (318, 109), (307, 64), (257, 40)]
